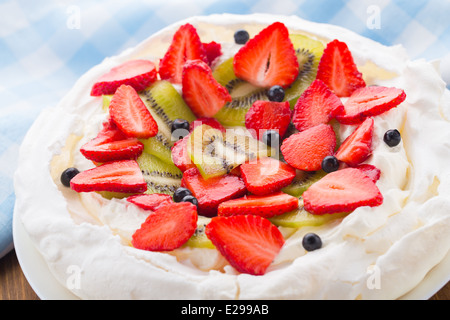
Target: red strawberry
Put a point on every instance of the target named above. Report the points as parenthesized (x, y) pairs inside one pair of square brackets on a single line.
[(249, 243), (212, 122), (168, 228), (342, 191), (266, 175), (131, 115), (111, 144), (136, 73), (268, 115), (358, 145), (265, 206), (202, 93), (268, 59), (370, 170), (213, 50), (213, 191), (338, 70), (180, 156), (152, 201), (370, 102), (316, 105), (185, 46), (119, 176), (307, 149)]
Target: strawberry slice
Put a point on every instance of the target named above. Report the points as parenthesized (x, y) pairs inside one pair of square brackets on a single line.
[(119, 176), (266, 175), (249, 243), (268, 115), (213, 50), (338, 70), (268, 59), (180, 155), (358, 145), (136, 73), (318, 104), (212, 122), (307, 149), (168, 228), (265, 206), (369, 102), (151, 202), (342, 191), (111, 144), (185, 46), (213, 191), (202, 93), (370, 170), (131, 115)]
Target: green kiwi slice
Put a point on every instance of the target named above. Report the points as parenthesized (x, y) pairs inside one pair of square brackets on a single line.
[(199, 238), (302, 181)]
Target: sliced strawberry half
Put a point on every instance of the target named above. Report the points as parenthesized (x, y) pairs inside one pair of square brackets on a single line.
[(268, 115), (249, 243), (136, 73), (213, 50), (318, 104), (168, 228), (119, 176), (185, 46), (213, 191), (370, 170), (151, 202), (268, 59), (180, 155), (369, 102), (342, 191), (131, 115), (265, 206), (338, 70), (111, 144), (358, 146), (202, 93), (266, 175), (307, 149)]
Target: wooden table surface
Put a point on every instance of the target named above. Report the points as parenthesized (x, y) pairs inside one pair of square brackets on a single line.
[(14, 285)]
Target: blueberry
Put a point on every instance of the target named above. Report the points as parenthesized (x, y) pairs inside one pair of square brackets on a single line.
[(330, 164), (271, 138), (392, 137), (190, 199), (276, 93), (179, 129), (311, 242), (68, 175), (180, 193), (241, 36)]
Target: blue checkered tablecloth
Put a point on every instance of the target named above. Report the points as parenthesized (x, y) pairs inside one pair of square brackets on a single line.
[(46, 45)]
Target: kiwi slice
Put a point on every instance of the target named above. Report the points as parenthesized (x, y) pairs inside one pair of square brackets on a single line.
[(302, 218), (243, 95), (309, 52), (161, 177), (302, 181), (199, 238)]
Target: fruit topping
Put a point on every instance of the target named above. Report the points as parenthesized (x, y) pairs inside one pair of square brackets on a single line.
[(249, 243), (180, 193), (358, 146), (268, 115), (112, 144), (276, 93), (266, 206), (199, 238), (370, 170), (212, 122), (180, 156), (151, 202), (241, 36), (179, 129), (168, 228), (392, 138), (369, 102), (213, 191), (266, 175), (330, 164), (118, 176), (316, 105), (67, 175), (268, 59), (202, 93), (271, 138), (190, 199), (138, 74), (307, 149), (342, 191), (302, 181), (311, 242), (338, 70), (213, 50), (131, 115), (185, 46)]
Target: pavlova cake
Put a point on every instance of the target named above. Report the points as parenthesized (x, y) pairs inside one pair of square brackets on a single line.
[(243, 157)]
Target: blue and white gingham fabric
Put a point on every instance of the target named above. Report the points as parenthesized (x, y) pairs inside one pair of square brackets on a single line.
[(46, 45)]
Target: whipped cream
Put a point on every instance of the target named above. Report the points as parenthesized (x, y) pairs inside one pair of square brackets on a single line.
[(373, 253)]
